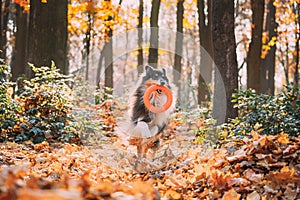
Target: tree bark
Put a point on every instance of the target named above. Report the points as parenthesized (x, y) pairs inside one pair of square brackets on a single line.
[(224, 51), (268, 63), (140, 38), (19, 57), (296, 74), (206, 49), (98, 76), (4, 21), (254, 54), (153, 51), (48, 34), (87, 44), (108, 58), (178, 45)]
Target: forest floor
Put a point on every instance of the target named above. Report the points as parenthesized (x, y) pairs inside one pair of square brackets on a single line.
[(252, 168)]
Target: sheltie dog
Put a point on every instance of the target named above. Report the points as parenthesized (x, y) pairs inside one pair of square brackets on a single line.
[(146, 126)]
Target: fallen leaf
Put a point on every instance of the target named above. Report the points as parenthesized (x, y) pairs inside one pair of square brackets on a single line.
[(253, 196), (283, 138), (252, 176), (290, 193), (231, 195), (172, 194), (58, 194)]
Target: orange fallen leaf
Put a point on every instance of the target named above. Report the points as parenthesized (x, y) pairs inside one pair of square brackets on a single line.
[(231, 195), (172, 194), (283, 138), (58, 194)]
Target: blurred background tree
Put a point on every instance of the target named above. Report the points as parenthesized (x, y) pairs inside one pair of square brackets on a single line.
[(76, 33)]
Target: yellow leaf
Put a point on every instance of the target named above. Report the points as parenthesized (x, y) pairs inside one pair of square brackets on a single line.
[(283, 138)]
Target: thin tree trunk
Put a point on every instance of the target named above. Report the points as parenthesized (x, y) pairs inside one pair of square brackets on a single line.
[(100, 64), (268, 63), (296, 74), (253, 58), (108, 57), (88, 46), (224, 51), (48, 33), (126, 58), (287, 64), (1, 25), (178, 45), (19, 57), (206, 49), (153, 51), (4, 22), (140, 38), (108, 61)]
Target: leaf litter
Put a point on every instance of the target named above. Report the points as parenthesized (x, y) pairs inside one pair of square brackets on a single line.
[(255, 167)]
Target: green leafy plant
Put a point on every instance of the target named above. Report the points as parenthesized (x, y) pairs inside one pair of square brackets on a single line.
[(102, 94), (46, 104), (267, 113), (9, 108), (41, 108)]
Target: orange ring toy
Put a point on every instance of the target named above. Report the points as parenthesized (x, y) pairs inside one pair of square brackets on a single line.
[(147, 98)]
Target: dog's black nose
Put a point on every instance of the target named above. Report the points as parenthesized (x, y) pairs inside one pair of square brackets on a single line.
[(162, 82)]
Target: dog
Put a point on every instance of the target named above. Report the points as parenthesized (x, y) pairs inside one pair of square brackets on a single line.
[(147, 126)]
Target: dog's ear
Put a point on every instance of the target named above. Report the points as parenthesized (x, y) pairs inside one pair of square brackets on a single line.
[(148, 68)]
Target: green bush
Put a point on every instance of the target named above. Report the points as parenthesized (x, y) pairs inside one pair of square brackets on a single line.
[(9, 108), (267, 113), (44, 105)]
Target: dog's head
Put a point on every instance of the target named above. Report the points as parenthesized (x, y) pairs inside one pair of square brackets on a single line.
[(155, 77)]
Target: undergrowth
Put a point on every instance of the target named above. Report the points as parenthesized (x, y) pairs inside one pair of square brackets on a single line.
[(39, 110), (269, 114)]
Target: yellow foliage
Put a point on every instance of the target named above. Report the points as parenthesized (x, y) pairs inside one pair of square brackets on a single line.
[(146, 19), (102, 15)]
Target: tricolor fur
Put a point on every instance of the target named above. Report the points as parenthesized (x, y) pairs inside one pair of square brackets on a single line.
[(147, 124)]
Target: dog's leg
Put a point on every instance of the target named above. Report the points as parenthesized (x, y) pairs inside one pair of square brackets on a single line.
[(154, 130), (141, 130)]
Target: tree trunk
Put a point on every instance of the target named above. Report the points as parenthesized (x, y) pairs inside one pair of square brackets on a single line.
[(1, 25), (268, 63), (153, 51), (48, 33), (4, 22), (140, 38), (178, 45), (296, 74), (19, 57), (87, 44), (108, 57), (253, 58), (108, 62), (98, 76), (224, 51), (206, 49)]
